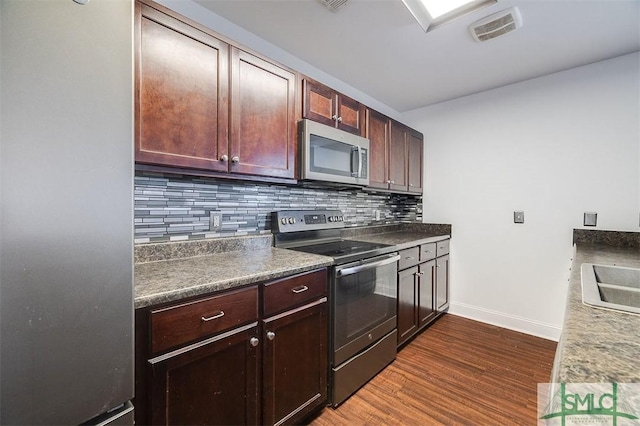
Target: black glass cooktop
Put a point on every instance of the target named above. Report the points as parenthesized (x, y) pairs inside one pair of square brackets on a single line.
[(345, 249)]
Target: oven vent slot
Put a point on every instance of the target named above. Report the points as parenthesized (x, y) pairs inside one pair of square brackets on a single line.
[(333, 5), (496, 25)]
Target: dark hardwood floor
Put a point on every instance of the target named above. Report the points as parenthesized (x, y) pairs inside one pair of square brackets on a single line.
[(457, 372)]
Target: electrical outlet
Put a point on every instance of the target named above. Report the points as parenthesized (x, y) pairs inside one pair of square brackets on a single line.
[(215, 221), (518, 216)]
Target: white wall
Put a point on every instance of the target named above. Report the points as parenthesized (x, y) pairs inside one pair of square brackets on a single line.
[(555, 147)]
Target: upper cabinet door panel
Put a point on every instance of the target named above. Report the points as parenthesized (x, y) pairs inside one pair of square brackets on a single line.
[(378, 135), (263, 132), (319, 103), (397, 158), (326, 106), (350, 115), (181, 93), (414, 148)]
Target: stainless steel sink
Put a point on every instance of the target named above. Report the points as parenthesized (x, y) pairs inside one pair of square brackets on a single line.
[(611, 287)]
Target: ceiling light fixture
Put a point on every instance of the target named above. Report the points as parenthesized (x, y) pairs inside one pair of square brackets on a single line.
[(433, 13)]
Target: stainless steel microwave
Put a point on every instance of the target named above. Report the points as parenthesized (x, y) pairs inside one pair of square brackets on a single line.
[(333, 155)]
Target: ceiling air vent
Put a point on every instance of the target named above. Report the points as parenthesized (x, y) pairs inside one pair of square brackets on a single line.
[(333, 5), (496, 25)]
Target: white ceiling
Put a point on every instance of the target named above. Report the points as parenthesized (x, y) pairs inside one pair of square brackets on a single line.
[(378, 48)]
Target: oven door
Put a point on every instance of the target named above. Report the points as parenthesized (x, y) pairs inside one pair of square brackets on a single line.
[(364, 304)]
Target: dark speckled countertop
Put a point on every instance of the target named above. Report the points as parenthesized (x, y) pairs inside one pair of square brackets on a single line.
[(245, 262), (598, 345), (168, 272), (401, 239)]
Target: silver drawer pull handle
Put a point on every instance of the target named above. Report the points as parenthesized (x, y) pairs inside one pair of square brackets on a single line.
[(300, 289), (220, 315)]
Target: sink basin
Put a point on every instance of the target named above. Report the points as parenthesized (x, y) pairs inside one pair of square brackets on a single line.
[(611, 287)]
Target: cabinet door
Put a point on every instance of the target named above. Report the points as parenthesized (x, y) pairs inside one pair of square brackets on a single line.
[(181, 93), (378, 127), (398, 158), (263, 117), (442, 283), (414, 161), (426, 281), (407, 302), (295, 361), (319, 103), (213, 383), (350, 115)]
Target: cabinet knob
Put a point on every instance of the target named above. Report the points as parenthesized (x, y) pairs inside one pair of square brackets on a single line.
[(339, 119), (254, 341), (235, 159), (334, 117), (271, 335), (224, 158)]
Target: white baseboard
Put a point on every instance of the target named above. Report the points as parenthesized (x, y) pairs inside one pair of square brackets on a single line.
[(512, 322)]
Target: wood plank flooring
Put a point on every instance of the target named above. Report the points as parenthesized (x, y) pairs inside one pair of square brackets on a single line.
[(457, 372)]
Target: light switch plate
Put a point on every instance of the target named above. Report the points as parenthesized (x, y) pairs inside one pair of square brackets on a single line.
[(590, 218), (518, 216)]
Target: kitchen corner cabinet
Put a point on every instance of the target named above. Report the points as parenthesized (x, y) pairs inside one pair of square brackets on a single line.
[(255, 355), (325, 105), (204, 104), (395, 155), (423, 287)]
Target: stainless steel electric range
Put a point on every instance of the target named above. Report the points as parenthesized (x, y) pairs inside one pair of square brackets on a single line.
[(362, 295)]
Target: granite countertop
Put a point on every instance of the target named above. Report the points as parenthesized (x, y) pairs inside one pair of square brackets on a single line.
[(168, 272), (171, 280), (598, 345), (401, 239)]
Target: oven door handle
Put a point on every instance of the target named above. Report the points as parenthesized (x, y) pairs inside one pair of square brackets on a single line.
[(367, 266)]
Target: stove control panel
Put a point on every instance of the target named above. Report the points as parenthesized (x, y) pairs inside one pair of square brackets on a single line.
[(306, 220)]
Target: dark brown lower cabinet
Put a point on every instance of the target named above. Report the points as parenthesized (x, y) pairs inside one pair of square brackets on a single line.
[(407, 301), (426, 283), (423, 287), (214, 382), (248, 356), (294, 363)]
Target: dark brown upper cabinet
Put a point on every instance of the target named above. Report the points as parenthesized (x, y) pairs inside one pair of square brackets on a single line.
[(204, 104), (378, 133), (263, 117), (182, 93), (325, 105), (395, 155)]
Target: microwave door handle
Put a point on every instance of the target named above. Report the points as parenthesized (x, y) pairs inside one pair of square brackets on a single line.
[(355, 165), (367, 266), (360, 161)]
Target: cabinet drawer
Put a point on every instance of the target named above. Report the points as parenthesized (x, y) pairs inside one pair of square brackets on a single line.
[(443, 248), (289, 292), (408, 257), (427, 252), (177, 325)]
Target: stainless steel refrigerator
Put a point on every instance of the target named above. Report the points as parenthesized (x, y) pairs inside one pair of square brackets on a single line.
[(66, 212)]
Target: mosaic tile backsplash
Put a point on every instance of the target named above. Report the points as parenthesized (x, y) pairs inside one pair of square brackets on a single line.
[(176, 208)]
